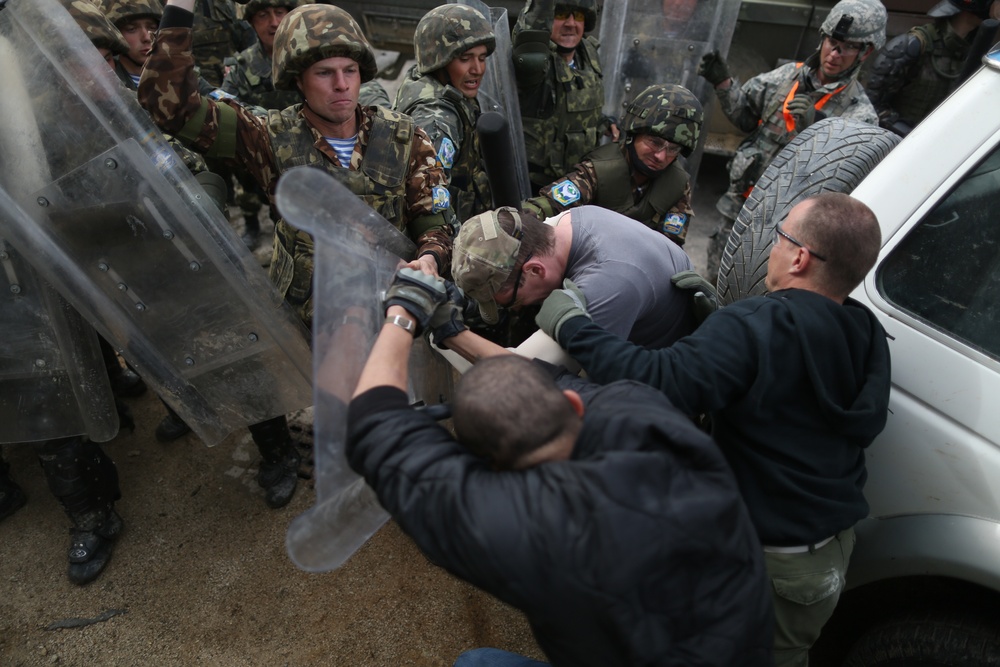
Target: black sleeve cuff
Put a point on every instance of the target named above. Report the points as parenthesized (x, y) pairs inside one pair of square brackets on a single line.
[(176, 17), (375, 400)]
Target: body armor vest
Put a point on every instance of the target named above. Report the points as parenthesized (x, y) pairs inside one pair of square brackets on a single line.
[(937, 68)]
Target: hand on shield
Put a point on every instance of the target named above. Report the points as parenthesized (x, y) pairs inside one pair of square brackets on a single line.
[(419, 293), (448, 320)]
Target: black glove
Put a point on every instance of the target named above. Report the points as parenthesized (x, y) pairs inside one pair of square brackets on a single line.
[(714, 68), (417, 292), (804, 111), (559, 306), (703, 295), (447, 320)]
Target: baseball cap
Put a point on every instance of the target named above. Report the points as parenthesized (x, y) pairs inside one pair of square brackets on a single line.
[(483, 257)]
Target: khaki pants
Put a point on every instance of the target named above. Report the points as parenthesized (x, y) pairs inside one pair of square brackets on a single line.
[(805, 589)]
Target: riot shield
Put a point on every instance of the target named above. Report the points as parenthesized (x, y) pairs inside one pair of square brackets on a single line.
[(499, 92), (646, 42), (53, 382), (125, 233), (356, 255)]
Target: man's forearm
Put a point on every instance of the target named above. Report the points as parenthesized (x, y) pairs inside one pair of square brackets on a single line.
[(472, 347), (388, 362)]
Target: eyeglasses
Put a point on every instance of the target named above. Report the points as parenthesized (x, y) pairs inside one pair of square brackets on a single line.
[(657, 144), (517, 284), (844, 48), (791, 239), (563, 14)]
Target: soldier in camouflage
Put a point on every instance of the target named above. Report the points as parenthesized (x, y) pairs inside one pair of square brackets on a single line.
[(638, 176), (917, 69), (559, 85), (378, 154), (452, 43), (774, 107), (217, 35)]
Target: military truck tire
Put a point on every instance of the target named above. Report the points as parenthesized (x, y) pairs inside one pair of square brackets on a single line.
[(833, 155), (928, 639)]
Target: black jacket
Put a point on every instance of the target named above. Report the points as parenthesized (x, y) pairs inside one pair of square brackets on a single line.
[(797, 386), (637, 551)]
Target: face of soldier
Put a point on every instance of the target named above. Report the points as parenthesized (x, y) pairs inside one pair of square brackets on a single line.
[(331, 88), (108, 55), (836, 57), (567, 28), (138, 34), (655, 152), (265, 24), (995, 11), (466, 71)]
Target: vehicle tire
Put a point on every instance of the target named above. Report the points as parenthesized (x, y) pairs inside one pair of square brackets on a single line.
[(929, 639), (832, 155)]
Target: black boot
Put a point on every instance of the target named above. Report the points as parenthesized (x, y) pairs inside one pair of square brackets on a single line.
[(171, 427), (279, 469), (125, 382), (93, 542), (12, 498)]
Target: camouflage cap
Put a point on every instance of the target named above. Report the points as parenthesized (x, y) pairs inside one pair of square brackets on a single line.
[(589, 9), (99, 30), (980, 8), (311, 33), (857, 21), (483, 257), (668, 111), (119, 11), (255, 6), (448, 31)]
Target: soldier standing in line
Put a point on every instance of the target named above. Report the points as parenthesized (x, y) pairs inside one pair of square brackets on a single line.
[(378, 154), (639, 175), (217, 36), (452, 43), (775, 106), (137, 20), (559, 86), (916, 70)]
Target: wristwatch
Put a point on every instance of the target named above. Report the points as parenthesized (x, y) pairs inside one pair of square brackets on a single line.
[(404, 323)]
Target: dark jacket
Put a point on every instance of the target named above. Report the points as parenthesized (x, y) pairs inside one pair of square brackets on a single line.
[(635, 552), (797, 386)]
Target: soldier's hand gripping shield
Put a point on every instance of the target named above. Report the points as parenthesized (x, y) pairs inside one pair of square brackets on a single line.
[(647, 42), (357, 253), (52, 378), (123, 230), (498, 93)]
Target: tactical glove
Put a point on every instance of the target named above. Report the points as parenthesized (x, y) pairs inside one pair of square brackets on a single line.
[(802, 108), (714, 68), (703, 295), (560, 306), (417, 292), (448, 320)]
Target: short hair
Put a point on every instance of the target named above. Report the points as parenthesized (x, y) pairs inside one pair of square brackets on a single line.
[(846, 232), (537, 239), (508, 406)]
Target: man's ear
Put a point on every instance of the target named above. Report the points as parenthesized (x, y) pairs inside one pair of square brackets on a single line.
[(869, 49), (575, 401)]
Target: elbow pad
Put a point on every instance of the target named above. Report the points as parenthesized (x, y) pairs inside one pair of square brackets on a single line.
[(531, 54)]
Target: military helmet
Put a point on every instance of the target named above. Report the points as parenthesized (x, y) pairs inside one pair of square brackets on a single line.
[(99, 30), (119, 11), (448, 31), (669, 111), (589, 8), (311, 33), (255, 6), (856, 21), (980, 8)]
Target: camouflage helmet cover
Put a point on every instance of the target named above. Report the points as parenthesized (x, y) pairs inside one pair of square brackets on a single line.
[(668, 111), (980, 8), (119, 11), (255, 6), (448, 31), (857, 21), (588, 7), (99, 30), (315, 32)]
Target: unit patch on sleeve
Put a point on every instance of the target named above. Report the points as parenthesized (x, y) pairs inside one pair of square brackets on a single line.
[(442, 198), (566, 192), (446, 153)]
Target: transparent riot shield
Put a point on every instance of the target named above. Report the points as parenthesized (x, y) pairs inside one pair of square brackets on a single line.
[(646, 42), (53, 383), (499, 91), (357, 253), (122, 229)]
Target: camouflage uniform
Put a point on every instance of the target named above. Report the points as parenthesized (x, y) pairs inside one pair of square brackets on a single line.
[(216, 37), (393, 168), (561, 106), (914, 72), (249, 80), (448, 116)]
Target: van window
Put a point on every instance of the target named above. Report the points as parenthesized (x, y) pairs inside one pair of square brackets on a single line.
[(946, 272)]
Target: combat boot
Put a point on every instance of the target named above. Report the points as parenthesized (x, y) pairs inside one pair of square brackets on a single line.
[(279, 469), (12, 498), (171, 427), (93, 540)]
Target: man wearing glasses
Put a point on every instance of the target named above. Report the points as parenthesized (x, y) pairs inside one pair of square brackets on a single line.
[(639, 176), (559, 86), (775, 106), (797, 385)]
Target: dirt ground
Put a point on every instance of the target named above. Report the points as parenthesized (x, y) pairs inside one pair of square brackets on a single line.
[(201, 577)]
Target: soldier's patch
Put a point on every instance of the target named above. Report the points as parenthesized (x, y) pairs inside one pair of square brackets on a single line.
[(446, 154), (442, 198), (219, 94), (566, 192), (673, 223)]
